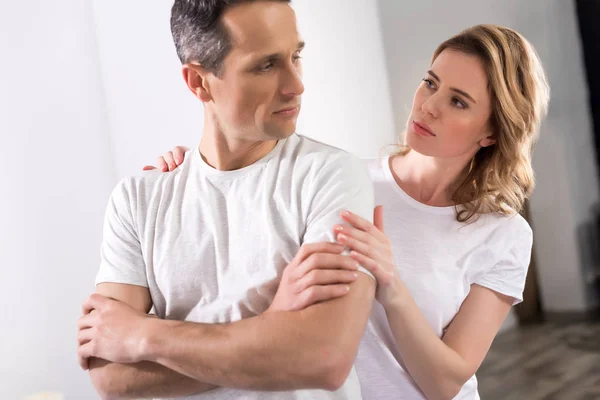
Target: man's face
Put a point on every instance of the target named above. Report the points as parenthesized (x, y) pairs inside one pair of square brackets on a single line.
[(257, 96)]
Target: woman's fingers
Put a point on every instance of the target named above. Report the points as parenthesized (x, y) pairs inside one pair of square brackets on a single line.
[(378, 218), (384, 273), (179, 154), (170, 160), (357, 234), (364, 225), (368, 263), (161, 164), (356, 245)]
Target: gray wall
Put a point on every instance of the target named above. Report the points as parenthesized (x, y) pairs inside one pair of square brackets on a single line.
[(564, 159)]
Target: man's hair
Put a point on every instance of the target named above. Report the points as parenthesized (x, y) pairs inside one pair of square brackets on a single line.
[(198, 31)]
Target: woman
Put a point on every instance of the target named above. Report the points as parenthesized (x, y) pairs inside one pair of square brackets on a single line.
[(454, 255)]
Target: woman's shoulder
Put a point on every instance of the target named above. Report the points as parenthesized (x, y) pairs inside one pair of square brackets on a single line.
[(511, 229), (510, 219)]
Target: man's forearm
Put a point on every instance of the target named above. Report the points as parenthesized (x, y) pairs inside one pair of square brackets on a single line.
[(145, 379), (312, 348)]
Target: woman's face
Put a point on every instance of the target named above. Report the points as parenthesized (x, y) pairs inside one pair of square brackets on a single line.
[(451, 108)]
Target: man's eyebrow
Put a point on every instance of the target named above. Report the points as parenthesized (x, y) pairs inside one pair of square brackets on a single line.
[(277, 56)]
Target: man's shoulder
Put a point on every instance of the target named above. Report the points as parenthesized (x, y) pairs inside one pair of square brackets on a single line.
[(325, 168), (323, 156), (313, 145), (142, 188)]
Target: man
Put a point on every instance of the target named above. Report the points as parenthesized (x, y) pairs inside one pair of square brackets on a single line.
[(207, 245)]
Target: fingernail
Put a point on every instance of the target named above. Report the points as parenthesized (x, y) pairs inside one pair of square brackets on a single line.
[(355, 275), (346, 213), (341, 236)]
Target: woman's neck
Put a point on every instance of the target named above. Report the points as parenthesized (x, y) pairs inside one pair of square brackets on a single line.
[(429, 180)]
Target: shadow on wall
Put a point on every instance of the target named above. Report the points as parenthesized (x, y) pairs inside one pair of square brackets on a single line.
[(588, 238)]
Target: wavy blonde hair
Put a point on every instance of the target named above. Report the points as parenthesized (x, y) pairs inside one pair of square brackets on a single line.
[(500, 177)]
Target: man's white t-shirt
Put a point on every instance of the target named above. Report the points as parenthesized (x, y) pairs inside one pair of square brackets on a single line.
[(438, 259), (211, 245)]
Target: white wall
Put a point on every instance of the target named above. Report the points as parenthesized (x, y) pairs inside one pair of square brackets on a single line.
[(56, 175), (346, 103), (150, 109), (91, 92), (564, 160)]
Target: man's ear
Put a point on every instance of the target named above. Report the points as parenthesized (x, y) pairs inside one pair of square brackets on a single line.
[(196, 78)]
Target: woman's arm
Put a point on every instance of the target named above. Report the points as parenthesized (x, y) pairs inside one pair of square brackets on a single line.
[(439, 366), (442, 366)]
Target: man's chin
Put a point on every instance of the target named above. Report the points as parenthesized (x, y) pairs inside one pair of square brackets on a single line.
[(283, 133), (287, 134)]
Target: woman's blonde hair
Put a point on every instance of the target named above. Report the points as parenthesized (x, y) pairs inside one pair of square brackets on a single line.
[(500, 177)]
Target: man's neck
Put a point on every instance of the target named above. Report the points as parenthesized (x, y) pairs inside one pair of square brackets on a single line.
[(227, 154)]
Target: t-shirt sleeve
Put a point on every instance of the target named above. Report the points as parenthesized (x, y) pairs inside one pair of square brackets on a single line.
[(507, 276), (121, 253), (341, 185)]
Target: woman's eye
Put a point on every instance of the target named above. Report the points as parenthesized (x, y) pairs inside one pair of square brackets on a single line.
[(459, 103), (428, 83)]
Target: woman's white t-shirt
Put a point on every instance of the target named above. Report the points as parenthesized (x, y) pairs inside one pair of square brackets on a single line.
[(438, 259)]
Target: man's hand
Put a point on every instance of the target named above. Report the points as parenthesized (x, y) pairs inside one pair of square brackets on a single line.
[(110, 330), (317, 273)]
